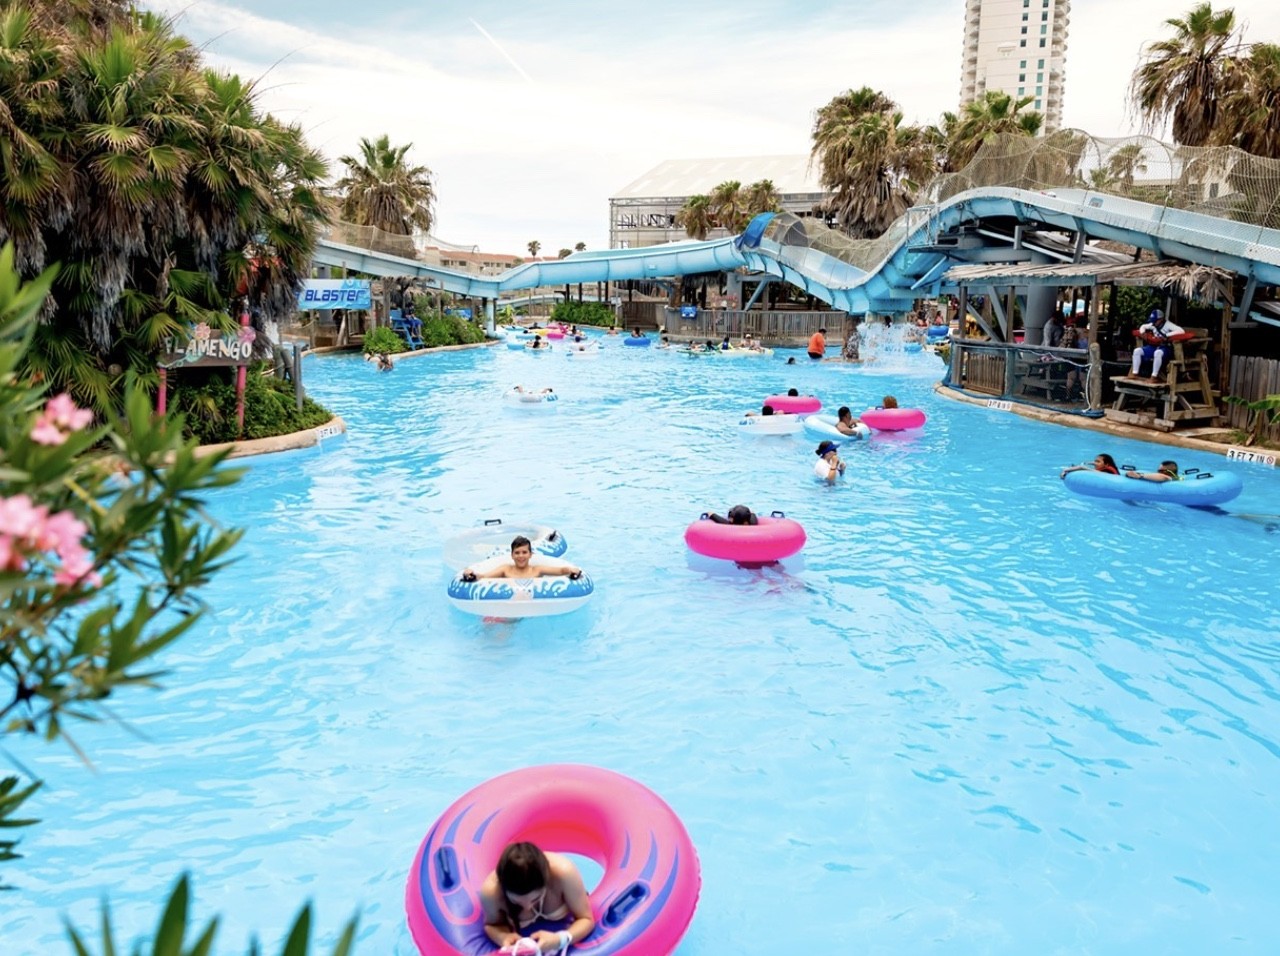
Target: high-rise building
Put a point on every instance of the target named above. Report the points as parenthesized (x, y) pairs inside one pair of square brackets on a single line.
[(1018, 47)]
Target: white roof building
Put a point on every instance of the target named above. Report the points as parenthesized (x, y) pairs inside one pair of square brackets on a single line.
[(643, 213)]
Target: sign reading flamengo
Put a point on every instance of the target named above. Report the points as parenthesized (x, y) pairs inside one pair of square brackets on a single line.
[(335, 294), (203, 347)]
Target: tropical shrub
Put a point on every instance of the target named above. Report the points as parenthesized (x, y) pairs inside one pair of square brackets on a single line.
[(270, 408), (104, 550), (439, 330), (584, 313), (383, 339)]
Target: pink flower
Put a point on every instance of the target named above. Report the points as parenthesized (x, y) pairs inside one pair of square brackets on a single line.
[(63, 411), (21, 518), (201, 331), (59, 418), (247, 334), (61, 533)]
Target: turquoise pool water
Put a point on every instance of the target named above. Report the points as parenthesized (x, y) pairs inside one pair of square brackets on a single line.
[(976, 714)]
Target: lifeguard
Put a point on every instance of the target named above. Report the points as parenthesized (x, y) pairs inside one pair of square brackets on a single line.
[(818, 344)]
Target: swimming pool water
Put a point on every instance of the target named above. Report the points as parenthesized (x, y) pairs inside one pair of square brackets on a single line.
[(976, 714)]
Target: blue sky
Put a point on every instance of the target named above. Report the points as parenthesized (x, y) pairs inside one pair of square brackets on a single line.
[(531, 115)]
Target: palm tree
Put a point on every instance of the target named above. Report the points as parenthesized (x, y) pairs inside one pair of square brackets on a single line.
[(696, 217), (728, 205), (1250, 117), (382, 190), (158, 185), (762, 196), (579, 247), (871, 162), (564, 253), (1125, 162), (1183, 77), (534, 247), (981, 121)]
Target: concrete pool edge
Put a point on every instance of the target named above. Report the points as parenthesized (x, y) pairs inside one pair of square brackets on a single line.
[(1104, 425), (308, 438)]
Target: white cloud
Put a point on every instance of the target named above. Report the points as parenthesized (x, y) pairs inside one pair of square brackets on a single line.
[(521, 158)]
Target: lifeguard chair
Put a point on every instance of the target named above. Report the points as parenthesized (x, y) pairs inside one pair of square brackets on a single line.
[(1182, 395)]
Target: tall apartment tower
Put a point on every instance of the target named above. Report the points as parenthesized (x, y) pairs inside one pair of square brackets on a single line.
[(1018, 47)]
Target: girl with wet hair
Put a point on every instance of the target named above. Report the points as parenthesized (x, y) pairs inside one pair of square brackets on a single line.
[(535, 895)]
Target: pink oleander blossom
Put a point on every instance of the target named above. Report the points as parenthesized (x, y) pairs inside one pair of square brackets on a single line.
[(27, 530), (201, 331), (247, 334), (59, 418)]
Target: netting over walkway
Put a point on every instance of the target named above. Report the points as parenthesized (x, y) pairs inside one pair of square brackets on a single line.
[(1216, 181)]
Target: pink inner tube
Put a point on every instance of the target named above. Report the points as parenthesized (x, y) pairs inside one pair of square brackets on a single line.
[(893, 419), (770, 540), (644, 902), (555, 334), (794, 404)]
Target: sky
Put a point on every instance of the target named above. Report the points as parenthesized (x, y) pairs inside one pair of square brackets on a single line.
[(531, 115)]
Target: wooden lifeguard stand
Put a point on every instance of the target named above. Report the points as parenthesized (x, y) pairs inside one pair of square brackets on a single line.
[(1183, 395)]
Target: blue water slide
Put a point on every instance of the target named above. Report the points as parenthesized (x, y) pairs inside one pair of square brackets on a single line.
[(893, 271)]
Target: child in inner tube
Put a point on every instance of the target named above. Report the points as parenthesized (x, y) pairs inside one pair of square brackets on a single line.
[(738, 514), (521, 553)]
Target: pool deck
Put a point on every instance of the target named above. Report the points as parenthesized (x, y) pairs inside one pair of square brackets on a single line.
[(311, 437), (1187, 438)]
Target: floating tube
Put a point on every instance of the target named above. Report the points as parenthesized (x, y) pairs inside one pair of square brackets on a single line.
[(519, 597), (643, 342), (780, 424), (912, 346), (514, 343), (531, 400), (581, 350), (771, 540), (893, 419), (824, 426), (745, 353), (644, 902), (494, 540), (794, 404), (1195, 490), (938, 331)]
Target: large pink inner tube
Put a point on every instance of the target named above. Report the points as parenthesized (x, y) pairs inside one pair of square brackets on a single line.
[(794, 404), (644, 902), (893, 419), (770, 540)]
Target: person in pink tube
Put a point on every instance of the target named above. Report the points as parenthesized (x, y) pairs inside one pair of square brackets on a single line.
[(538, 896)]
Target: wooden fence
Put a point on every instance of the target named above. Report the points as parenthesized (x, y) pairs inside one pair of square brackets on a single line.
[(1252, 378)]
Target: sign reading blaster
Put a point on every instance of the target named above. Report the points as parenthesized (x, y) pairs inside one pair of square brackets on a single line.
[(335, 294)]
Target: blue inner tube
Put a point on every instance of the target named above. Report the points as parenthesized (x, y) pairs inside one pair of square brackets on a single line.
[(938, 331), (1194, 490), (824, 426), (642, 342)]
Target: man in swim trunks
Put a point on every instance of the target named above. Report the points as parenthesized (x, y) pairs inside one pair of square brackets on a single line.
[(818, 344), (846, 424), (738, 514), (521, 554), (536, 895)]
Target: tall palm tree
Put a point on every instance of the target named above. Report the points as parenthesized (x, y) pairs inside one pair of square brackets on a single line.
[(762, 196), (534, 248), (728, 205), (872, 163), (1183, 77), (1125, 163), (1250, 117), (697, 217), (981, 121), (381, 189)]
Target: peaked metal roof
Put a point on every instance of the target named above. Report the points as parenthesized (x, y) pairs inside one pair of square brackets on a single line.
[(681, 178)]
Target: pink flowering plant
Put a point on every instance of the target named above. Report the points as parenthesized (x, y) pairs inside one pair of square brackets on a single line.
[(104, 545)]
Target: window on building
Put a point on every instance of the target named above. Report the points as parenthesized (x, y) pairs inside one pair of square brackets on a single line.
[(1037, 106), (1039, 91), (1022, 42), (1042, 41), (1021, 91), (1024, 31), (1024, 17), (1022, 64), (1039, 64), (1045, 15), (1022, 77)]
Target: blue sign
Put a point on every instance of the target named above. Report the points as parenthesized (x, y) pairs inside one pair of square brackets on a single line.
[(335, 294), (688, 311)]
